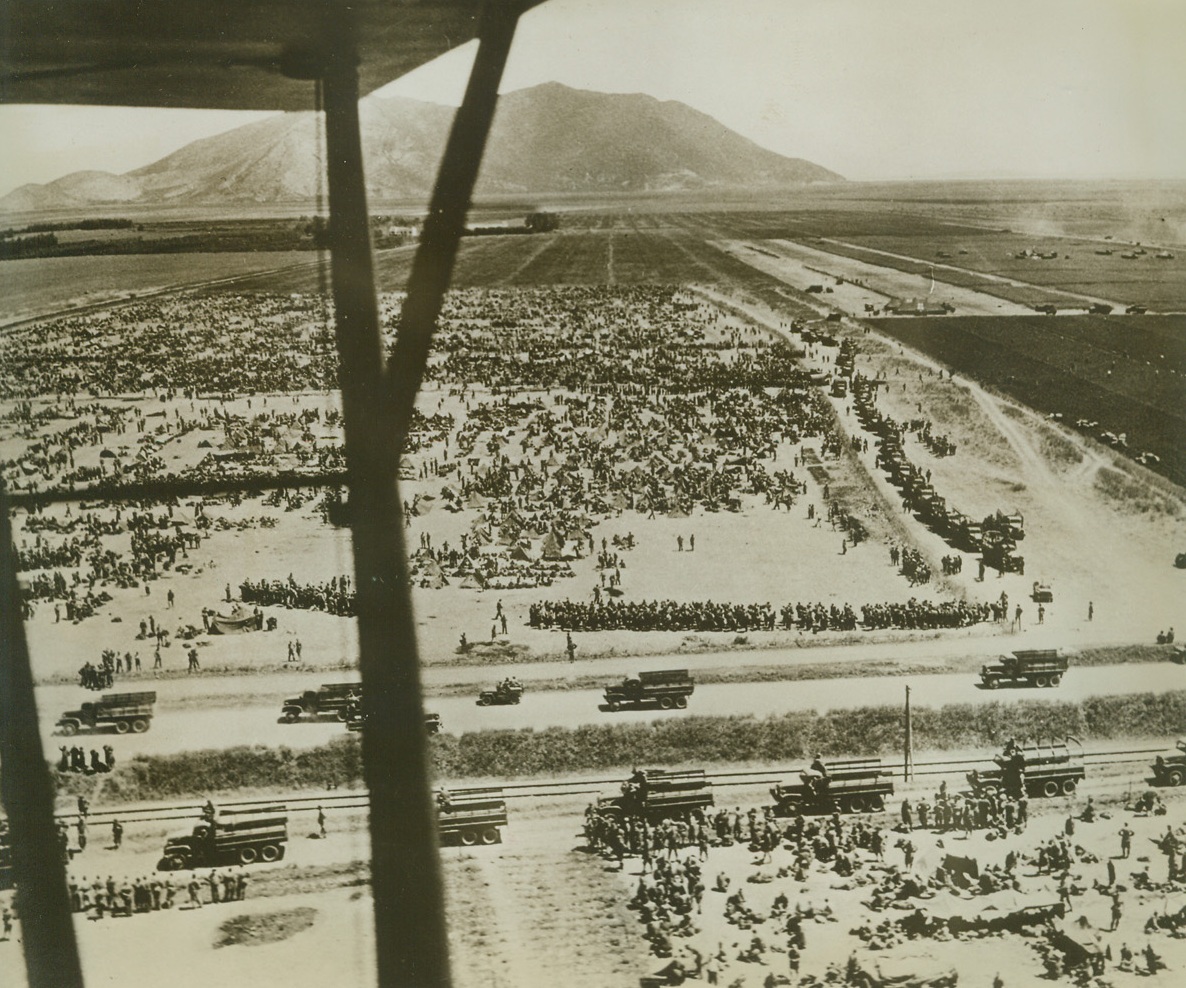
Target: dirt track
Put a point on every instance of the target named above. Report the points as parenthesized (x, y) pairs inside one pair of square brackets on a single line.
[(225, 721)]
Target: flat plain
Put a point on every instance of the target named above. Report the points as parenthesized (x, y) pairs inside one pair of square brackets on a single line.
[(524, 378)]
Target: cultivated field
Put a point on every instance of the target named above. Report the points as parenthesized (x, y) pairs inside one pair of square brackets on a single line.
[(1121, 375)]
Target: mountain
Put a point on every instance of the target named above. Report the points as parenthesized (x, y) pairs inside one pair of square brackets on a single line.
[(549, 138)]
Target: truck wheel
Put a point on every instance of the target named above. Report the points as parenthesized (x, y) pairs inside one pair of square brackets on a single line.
[(177, 862), (1173, 777), (1068, 786), (340, 714), (1056, 679), (1042, 681), (790, 807), (469, 837), (1050, 788), (491, 835), (247, 855), (666, 703), (876, 803), (992, 684), (483, 701), (291, 715), (139, 725), (682, 702), (122, 727), (614, 706), (69, 728), (269, 852), (165, 864)]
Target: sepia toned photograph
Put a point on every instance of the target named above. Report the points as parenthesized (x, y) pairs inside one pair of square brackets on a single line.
[(592, 493)]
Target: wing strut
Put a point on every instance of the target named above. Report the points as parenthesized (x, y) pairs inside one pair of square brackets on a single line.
[(411, 940), (47, 928)]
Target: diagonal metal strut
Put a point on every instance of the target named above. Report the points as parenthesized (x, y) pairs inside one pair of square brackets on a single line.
[(377, 402)]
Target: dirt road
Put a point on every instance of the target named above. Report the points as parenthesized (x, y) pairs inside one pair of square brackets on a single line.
[(186, 722)]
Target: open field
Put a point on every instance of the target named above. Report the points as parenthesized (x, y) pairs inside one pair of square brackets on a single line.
[(598, 396), (41, 286), (1080, 368)]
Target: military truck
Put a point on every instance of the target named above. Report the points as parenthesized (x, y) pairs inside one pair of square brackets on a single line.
[(1028, 667), (123, 711), (1171, 770), (355, 719), (471, 816), (330, 699), (228, 838), (655, 794), (662, 688), (1032, 769), (852, 785)]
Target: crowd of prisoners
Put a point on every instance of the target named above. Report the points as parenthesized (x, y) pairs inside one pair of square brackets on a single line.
[(580, 404)]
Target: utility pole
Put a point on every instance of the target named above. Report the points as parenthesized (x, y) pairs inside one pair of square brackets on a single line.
[(908, 755)]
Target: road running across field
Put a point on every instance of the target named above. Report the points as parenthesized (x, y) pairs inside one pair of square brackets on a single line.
[(236, 710)]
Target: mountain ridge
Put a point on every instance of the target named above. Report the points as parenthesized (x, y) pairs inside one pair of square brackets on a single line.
[(545, 139)]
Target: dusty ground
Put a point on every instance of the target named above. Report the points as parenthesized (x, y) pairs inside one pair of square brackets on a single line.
[(536, 911), (539, 909)]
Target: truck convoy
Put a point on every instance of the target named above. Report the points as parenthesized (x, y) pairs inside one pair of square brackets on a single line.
[(654, 794), (1029, 667), (1171, 770), (662, 688), (471, 816), (230, 837), (123, 711), (330, 699), (1032, 770), (853, 785)]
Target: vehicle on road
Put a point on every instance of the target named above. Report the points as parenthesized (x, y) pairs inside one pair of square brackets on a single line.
[(1040, 667), (1170, 770), (655, 794), (330, 699), (662, 688), (1043, 592), (122, 711), (229, 837), (355, 719), (1032, 769), (470, 816), (508, 691), (853, 785)]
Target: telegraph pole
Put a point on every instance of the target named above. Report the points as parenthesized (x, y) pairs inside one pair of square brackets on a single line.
[(908, 755)]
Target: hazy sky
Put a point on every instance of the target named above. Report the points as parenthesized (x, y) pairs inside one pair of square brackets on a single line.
[(873, 89)]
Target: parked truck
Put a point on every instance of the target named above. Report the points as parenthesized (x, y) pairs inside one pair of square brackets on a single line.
[(471, 816), (852, 785), (123, 711), (1032, 769), (663, 688), (330, 699), (655, 794), (1028, 667), (228, 838), (1170, 770)]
